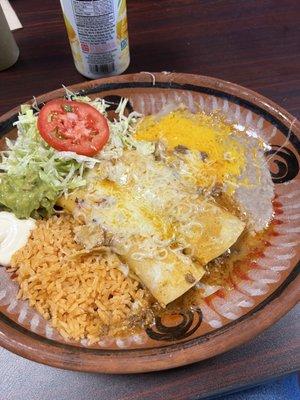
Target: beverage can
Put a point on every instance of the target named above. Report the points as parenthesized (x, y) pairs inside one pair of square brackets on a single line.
[(98, 35)]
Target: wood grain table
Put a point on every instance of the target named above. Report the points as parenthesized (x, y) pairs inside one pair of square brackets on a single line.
[(252, 43)]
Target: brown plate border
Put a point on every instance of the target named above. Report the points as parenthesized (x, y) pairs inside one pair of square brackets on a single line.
[(71, 357)]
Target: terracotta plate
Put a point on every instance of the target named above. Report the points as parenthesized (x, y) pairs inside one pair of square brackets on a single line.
[(263, 295)]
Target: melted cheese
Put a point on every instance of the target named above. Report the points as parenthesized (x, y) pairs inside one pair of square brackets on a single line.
[(152, 216), (199, 132), (166, 278)]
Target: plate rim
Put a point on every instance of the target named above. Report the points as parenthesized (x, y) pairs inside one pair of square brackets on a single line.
[(176, 354)]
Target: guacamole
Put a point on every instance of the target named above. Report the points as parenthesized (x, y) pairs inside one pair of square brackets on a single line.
[(27, 195)]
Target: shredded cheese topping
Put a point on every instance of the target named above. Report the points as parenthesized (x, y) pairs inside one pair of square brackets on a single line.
[(155, 201)]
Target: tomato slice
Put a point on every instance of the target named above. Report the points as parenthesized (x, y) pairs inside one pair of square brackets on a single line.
[(68, 125)]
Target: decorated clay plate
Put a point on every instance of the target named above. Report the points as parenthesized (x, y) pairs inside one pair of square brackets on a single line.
[(260, 294)]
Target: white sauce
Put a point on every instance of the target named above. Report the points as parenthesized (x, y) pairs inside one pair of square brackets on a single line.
[(14, 234)]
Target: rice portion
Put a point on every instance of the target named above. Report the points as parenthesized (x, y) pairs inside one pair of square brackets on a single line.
[(83, 295)]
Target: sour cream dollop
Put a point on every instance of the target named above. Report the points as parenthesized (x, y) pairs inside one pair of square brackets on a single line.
[(14, 234)]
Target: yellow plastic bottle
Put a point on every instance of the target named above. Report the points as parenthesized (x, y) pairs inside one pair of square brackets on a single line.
[(98, 35)]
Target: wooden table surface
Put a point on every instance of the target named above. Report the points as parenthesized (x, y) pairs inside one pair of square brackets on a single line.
[(252, 43)]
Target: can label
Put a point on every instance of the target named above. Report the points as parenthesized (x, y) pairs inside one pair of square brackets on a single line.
[(98, 35)]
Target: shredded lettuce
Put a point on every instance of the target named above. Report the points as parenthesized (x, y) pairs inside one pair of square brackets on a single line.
[(123, 130), (33, 175)]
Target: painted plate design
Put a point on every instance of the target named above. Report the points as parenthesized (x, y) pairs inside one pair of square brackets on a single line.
[(229, 317)]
